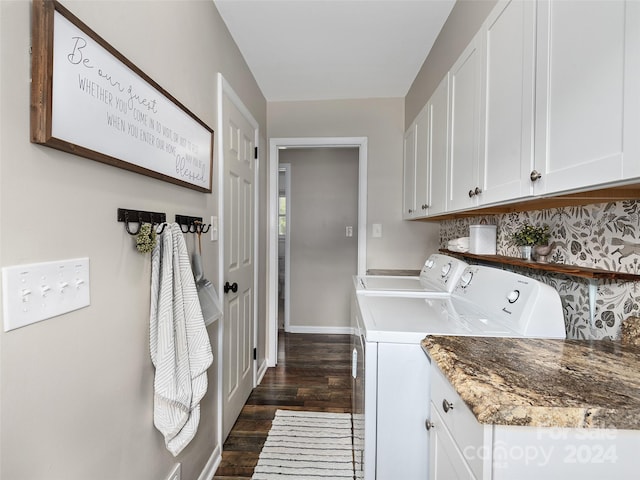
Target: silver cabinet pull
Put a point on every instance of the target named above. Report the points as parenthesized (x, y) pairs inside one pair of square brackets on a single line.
[(446, 405), (535, 175), (474, 192), (429, 424)]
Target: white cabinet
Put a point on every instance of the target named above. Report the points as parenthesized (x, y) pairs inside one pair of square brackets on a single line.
[(417, 171), (438, 120), (422, 164), (465, 128), (454, 434), (462, 448), (544, 100), (409, 175), (586, 94), (492, 110), (506, 142)]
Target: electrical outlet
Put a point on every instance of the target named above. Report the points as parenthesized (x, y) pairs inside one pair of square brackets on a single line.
[(175, 473)]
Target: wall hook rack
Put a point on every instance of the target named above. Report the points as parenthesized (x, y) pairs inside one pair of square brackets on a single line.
[(129, 216), (192, 224)]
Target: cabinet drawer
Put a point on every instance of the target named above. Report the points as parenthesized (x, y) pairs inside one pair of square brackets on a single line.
[(459, 420)]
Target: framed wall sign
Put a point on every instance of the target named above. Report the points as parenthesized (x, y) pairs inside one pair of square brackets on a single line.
[(89, 100)]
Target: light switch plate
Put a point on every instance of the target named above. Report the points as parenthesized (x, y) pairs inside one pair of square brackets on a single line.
[(376, 230), (38, 291), (214, 228)]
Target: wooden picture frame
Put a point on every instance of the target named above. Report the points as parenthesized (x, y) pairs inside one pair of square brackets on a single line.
[(89, 100)]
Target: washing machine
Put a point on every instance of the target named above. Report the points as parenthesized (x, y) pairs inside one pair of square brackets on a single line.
[(391, 373), (438, 277)]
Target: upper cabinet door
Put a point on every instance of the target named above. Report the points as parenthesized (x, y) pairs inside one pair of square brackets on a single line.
[(466, 84), (409, 179), (438, 112), (580, 94), (631, 162), (422, 164), (506, 145)]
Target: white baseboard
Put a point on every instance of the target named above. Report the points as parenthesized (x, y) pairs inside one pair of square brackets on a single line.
[(262, 369), (318, 329), (210, 468)]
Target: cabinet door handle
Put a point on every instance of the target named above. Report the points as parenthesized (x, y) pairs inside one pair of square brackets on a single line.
[(429, 424), (410, 211), (425, 206), (474, 192), (535, 175), (446, 405)]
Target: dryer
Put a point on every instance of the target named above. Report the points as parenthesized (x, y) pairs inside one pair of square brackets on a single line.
[(391, 372)]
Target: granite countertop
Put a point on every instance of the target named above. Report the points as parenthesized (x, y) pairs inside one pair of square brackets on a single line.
[(541, 382)]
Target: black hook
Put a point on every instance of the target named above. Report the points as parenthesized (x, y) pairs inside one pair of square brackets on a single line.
[(127, 216), (126, 224), (164, 225), (191, 224)]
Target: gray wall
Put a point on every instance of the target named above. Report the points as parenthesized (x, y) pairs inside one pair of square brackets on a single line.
[(76, 390), (403, 244), (463, 23), (323, 201)]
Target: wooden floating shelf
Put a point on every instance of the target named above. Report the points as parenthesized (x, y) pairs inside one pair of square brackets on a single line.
[(572, 270)]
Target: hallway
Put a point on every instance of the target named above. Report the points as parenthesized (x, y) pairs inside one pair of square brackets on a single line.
[(313, 373)]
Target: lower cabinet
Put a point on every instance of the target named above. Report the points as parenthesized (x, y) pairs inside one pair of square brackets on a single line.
[(461, 448)]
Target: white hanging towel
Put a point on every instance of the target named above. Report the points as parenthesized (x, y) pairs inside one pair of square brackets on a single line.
[(179, 344)]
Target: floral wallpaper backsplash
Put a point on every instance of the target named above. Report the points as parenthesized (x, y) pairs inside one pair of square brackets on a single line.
[(603, 236)]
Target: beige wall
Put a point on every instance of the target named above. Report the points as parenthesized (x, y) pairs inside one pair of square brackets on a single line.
[(403, 244), (323, 201), (76, 390), (463, 22)]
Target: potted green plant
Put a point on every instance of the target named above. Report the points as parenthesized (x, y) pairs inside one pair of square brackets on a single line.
[(529, 236)]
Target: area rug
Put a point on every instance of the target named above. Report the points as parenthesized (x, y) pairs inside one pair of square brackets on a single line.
[(307, 446)]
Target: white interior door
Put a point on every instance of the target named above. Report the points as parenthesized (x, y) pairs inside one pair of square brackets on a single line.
[(238, 144)]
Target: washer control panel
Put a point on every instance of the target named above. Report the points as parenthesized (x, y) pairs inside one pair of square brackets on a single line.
[(441, 272)]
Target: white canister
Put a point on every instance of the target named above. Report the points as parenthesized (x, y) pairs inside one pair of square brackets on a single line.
[(482, 239)]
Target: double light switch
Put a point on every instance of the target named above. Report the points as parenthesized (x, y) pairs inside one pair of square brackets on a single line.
[(39, 291)]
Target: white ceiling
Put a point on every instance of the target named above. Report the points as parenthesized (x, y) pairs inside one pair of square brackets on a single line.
[(334, 49)]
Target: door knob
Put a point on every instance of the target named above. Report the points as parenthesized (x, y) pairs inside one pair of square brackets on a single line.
[(535, 175), (233, 287), (447, 405)]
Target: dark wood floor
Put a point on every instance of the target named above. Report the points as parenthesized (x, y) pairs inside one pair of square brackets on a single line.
[(313, 373)]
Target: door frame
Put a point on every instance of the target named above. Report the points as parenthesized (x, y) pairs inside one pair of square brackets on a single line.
[(275, 144), (286, 168), (224, 88)]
